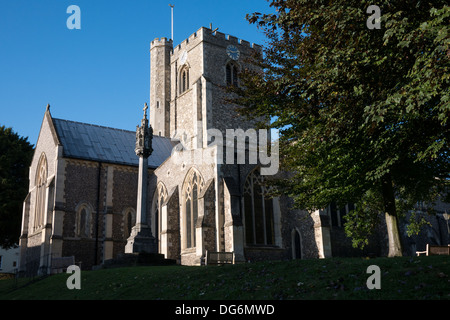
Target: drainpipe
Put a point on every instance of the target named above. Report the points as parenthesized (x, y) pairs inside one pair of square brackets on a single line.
[(240, 189), (97, 215)]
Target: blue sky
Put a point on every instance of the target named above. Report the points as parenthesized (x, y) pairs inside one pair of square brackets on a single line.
[(99, 74)]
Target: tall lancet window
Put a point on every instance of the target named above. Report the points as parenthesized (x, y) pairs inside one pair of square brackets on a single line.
[(184, 79), (232, 74), (258, 211), (84, 214), (191, 191), (129, 221), (159, 198), (41, 183)]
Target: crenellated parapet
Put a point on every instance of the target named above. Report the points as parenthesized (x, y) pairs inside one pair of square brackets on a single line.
[(161, 42), (216, 37)]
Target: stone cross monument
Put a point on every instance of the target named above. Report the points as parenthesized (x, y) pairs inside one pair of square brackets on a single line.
[(141, 238)]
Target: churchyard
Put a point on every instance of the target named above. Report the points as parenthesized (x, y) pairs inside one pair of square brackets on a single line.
[(406, 278)]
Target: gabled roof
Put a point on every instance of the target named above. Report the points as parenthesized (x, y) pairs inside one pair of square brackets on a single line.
[(97, 143)]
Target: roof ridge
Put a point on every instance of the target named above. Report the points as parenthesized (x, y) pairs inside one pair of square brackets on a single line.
[(92, 125), (105, 127)]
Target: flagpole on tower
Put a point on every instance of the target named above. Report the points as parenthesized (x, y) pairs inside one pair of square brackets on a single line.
[(171, 6)]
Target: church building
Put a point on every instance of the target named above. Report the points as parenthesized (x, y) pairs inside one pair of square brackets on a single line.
[(84, 178)]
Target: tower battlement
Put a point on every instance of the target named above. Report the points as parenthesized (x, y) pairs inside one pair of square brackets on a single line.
[(186, 80), (161, 42), (206, 34)]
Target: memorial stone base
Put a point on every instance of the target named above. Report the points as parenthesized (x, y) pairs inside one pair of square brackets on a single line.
[(141, 240)]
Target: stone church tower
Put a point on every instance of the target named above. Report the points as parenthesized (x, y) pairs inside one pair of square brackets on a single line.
[(187, 81)]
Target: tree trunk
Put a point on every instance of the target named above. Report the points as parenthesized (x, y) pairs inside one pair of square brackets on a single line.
[(395, 246)]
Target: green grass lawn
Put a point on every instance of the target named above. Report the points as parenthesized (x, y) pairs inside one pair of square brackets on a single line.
[(336, 278)]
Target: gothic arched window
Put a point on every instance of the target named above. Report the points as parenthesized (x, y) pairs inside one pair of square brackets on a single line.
[(184, 79), (83, 221), (41, 183), (232, 74), (159, 197), (258, 211), (129, 217), (192, 187)]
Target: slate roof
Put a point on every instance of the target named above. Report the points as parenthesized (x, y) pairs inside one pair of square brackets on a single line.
[(97, 143)]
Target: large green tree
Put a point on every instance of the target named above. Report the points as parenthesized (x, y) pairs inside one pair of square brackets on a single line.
[(363, 113), (15, 158)]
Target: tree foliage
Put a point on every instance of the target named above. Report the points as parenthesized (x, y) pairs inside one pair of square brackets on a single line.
[(363, 113), (15, 158)]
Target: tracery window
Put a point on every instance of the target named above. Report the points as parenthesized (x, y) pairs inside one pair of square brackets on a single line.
[(184, 79), (41, 183), (258, 211), (192, 188), (337, 214)]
